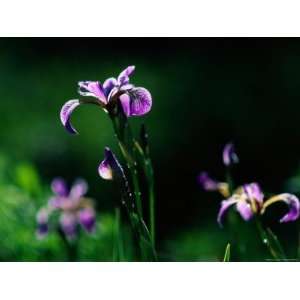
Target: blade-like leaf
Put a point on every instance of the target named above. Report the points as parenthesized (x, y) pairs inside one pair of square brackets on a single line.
[(227, 253)]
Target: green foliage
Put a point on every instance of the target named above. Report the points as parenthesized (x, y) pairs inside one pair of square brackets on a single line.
[(22, 194)]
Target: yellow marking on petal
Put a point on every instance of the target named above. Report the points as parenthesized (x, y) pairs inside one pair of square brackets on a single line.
[(270, 201), (223, 189)]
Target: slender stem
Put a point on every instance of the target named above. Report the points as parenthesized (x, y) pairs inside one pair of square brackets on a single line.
[(266, 237), (229, 180), (118, 245), (149, 175), (127, 149), (152, 213)]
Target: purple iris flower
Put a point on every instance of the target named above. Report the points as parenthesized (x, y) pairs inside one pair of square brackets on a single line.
[(73, 208), (229, 155), (135, 101), (249, 200)]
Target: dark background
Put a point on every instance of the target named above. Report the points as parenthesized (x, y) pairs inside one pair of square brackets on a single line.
[(206, 92)]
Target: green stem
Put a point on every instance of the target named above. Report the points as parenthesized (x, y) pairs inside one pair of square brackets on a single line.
[(126, 145), (118, 245), (271, 241), (130, 153), (229, 180), (152, 213)]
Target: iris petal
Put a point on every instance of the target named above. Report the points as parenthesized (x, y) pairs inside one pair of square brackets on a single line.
[(123, 78), (87, 219), (229, 155), (225, 204), (92, 89), (207, 183), (253, 191), (66, 112), (136, 102), (68, 223), (294, 208), (108, 85), (104, 169), (59, 187), (245, 210), (79, 189), (42, 222)]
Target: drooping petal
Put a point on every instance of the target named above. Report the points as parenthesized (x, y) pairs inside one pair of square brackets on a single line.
[(225, 204), (229, 155), (136, 102), (68, 223), (294, 208), (87, 219), (92, 89), (207, 183), (79, 189), (108, 85), (123, 78), (254, 192), (105, 170), (244, 209), (59, 187), (42, 223), (65, 114)]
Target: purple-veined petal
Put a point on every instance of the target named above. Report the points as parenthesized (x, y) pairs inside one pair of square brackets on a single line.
[(92, 89), (229, 155), (65, 114), (254, 192), (68, 223), (207, 183), (87, 219), (138, 103), (59, 187), (105, 171), (294, 207), (244, 209), (123, 78), (108, 85), (225, 204), (78, 189)]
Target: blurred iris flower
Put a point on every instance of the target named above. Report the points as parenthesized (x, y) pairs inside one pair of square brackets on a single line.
[(135, 101), (72, 207), (249, 198)]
